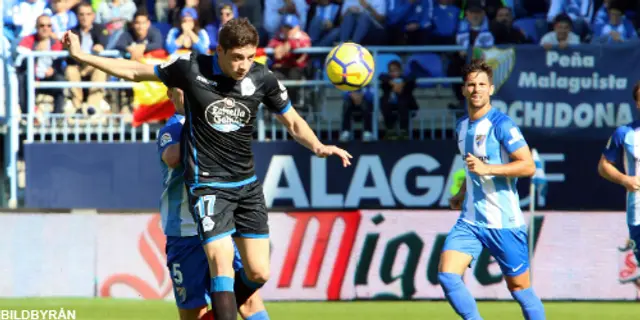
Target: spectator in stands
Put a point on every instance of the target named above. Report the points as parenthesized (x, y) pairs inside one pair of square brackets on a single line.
[(226, 14), (490, 7), (357, 107), (397, 100), (275, 10), (93, 39), (363, 20), (114, 15), (322, 29), (444, 24), (601, 16), (287, 64), (503, 30), (46, 68), (409, 21), (561, 36), (25, 14), (189, 36), (617, 29), (141, 39), (63, 18), (579, 11), (473, 31)]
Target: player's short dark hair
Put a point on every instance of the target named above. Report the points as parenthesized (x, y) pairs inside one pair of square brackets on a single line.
[(394, 63), (236, 33), (636, 87), (83, 5), (477, 65), (563, 17), (142, 12)]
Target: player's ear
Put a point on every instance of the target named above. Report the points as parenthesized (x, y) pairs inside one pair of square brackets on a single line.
[(492, 89)]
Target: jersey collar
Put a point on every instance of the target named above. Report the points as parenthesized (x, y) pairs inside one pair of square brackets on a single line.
[(216, 66), (486, 115)]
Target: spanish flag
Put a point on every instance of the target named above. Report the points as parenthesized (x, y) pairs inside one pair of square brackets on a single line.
[(150, 101)]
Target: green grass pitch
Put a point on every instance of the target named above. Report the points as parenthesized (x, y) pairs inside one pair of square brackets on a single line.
[(114, 309)]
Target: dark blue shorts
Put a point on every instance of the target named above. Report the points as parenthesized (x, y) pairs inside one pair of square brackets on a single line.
[(508, 246), (189, 271)]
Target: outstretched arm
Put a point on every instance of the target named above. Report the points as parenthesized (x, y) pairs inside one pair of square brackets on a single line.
[(121, 68), (301, 132)]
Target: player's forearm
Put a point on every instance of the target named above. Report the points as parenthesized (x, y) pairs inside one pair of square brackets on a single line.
[(514, 169), (121, 68), (303, 134), (611, 173)]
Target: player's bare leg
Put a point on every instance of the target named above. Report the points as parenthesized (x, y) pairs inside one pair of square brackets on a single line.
[(220, 253), (253, 309), (193, 314), (450, 270), (255, 258), (520, 288)]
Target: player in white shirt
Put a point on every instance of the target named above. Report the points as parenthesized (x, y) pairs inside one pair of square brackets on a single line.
[(623, 147), (496, 154)]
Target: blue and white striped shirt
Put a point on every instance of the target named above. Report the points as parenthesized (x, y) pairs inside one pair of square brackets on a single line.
[(490, 201), (625, 144), (174, 203)]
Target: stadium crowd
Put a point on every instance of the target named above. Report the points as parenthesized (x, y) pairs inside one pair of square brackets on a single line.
[(161, 28)]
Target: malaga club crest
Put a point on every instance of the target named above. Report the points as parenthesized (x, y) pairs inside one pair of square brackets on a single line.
[(501, 61), (227, 115)]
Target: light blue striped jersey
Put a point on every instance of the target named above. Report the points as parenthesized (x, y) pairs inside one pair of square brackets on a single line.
[(490, 201), (624, 145), (174, 203)]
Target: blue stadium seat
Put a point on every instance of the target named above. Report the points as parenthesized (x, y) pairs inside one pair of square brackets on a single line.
[(426, 65), (163, 27), (630, 14), (529, 27)]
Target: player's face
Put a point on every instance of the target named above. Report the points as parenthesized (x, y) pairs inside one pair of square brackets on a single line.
[(477, 89), (177, 97), (236, 62)]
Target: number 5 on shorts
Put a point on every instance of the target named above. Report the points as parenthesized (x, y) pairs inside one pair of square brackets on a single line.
[(176, 274), (206, 205)]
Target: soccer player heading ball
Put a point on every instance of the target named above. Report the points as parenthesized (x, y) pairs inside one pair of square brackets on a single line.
[(222, 93), (496, 154)]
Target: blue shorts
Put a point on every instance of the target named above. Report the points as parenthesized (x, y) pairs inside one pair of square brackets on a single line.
[(508, 246), (189, 271), (634, 235)]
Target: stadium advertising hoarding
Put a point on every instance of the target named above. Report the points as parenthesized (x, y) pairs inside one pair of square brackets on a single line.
[(583, 90), (390, 175), (345, 255)]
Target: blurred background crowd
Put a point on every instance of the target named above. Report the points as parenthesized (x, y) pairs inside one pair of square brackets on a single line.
[(156, 29)]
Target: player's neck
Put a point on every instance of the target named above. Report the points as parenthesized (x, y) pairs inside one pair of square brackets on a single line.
[(477, 113)]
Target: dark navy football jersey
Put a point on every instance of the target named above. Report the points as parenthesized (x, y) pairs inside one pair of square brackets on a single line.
[(220, 115)]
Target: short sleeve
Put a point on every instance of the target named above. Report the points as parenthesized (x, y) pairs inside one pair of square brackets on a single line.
[(173, 73), (614, 145), (510, 136), (169, 135), (276, 97)]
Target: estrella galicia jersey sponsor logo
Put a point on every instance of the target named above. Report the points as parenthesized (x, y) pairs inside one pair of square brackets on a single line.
[(227, 115)]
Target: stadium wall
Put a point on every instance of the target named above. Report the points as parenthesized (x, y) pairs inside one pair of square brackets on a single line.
[(384, 175), (332, 255)]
